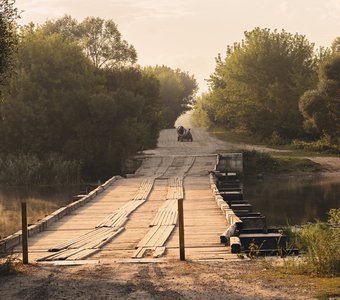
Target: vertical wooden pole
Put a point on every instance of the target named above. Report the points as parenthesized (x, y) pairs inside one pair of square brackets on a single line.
[(181, 229), (24, 233)]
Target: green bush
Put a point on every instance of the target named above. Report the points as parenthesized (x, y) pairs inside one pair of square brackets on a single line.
[(320, 242), (323, 145), (322, 245), (277, 140)]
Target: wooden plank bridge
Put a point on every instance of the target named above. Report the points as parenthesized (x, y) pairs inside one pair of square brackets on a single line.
[(136, 217)]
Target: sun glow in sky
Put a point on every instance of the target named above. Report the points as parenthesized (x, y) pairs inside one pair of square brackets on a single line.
[(188, 34)]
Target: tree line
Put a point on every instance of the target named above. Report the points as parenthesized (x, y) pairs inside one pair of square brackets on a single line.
[(76, 93), (277, 85)]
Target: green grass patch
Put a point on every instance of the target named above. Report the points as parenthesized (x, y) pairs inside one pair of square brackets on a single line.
[(263, 163), (322, 288), (236, 136), (327, 288), (296, 148), (323, 145)]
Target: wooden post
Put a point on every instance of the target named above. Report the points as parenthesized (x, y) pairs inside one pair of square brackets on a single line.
[(24, 233), (181, 229)]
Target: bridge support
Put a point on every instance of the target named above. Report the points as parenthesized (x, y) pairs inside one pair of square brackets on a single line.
[(181, 229), (24, 233)]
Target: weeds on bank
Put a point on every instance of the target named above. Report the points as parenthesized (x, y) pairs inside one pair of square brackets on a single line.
[(26, 169), (254, 250), (320, 244), (9, 264), (324, 145)]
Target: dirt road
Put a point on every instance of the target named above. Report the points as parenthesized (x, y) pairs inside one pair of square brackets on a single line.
[(202, 143), (171, 280)]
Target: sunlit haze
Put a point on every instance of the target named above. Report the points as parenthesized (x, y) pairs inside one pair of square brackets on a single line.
[(189, 34)]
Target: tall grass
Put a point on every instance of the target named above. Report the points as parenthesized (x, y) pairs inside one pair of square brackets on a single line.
[(324, 145), (320, 243), (9, 264), (28, 169)]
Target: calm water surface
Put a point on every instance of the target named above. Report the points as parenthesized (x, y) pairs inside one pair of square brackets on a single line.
[(286, 200), (40, 202), (293, 200)]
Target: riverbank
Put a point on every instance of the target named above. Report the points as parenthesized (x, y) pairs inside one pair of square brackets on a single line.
[(238, 279), (260, 159), (285, 159)]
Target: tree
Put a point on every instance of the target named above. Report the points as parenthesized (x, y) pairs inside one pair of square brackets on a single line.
[(58, 102), (177, 92), (321, 107), (122, 119), (259, 83), (48, 95), (100, 39), (8, 15), (66, 26), (104, 45), (336, 45)]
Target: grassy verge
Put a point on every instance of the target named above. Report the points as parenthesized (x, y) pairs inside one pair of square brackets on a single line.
[(320, 242), (323, 288), (236, 136), (297, 148), (323, 145), (263, 163), (318, 268)]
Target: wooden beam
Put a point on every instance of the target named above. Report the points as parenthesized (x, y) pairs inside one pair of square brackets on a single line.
[(24, 233), (181, 229)]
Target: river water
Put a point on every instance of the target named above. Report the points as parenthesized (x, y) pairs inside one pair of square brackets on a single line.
[(40, 202), (293, 200), (283, 200)]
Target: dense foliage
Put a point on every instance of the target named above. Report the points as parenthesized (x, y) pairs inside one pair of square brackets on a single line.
[(321, 107), (177, 91), (59, 103), (258, 84), (78, 98), (8, 15), (100, 40)]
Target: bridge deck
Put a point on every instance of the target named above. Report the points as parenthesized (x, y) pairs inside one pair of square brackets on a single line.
[(203, 220)]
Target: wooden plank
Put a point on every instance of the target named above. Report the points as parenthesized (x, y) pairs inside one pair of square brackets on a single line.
[(152, 242), (165, 235), (159, 252), (139, 252), (148, 236)]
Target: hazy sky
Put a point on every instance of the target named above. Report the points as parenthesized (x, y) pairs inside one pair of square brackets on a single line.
[(188, 34)]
